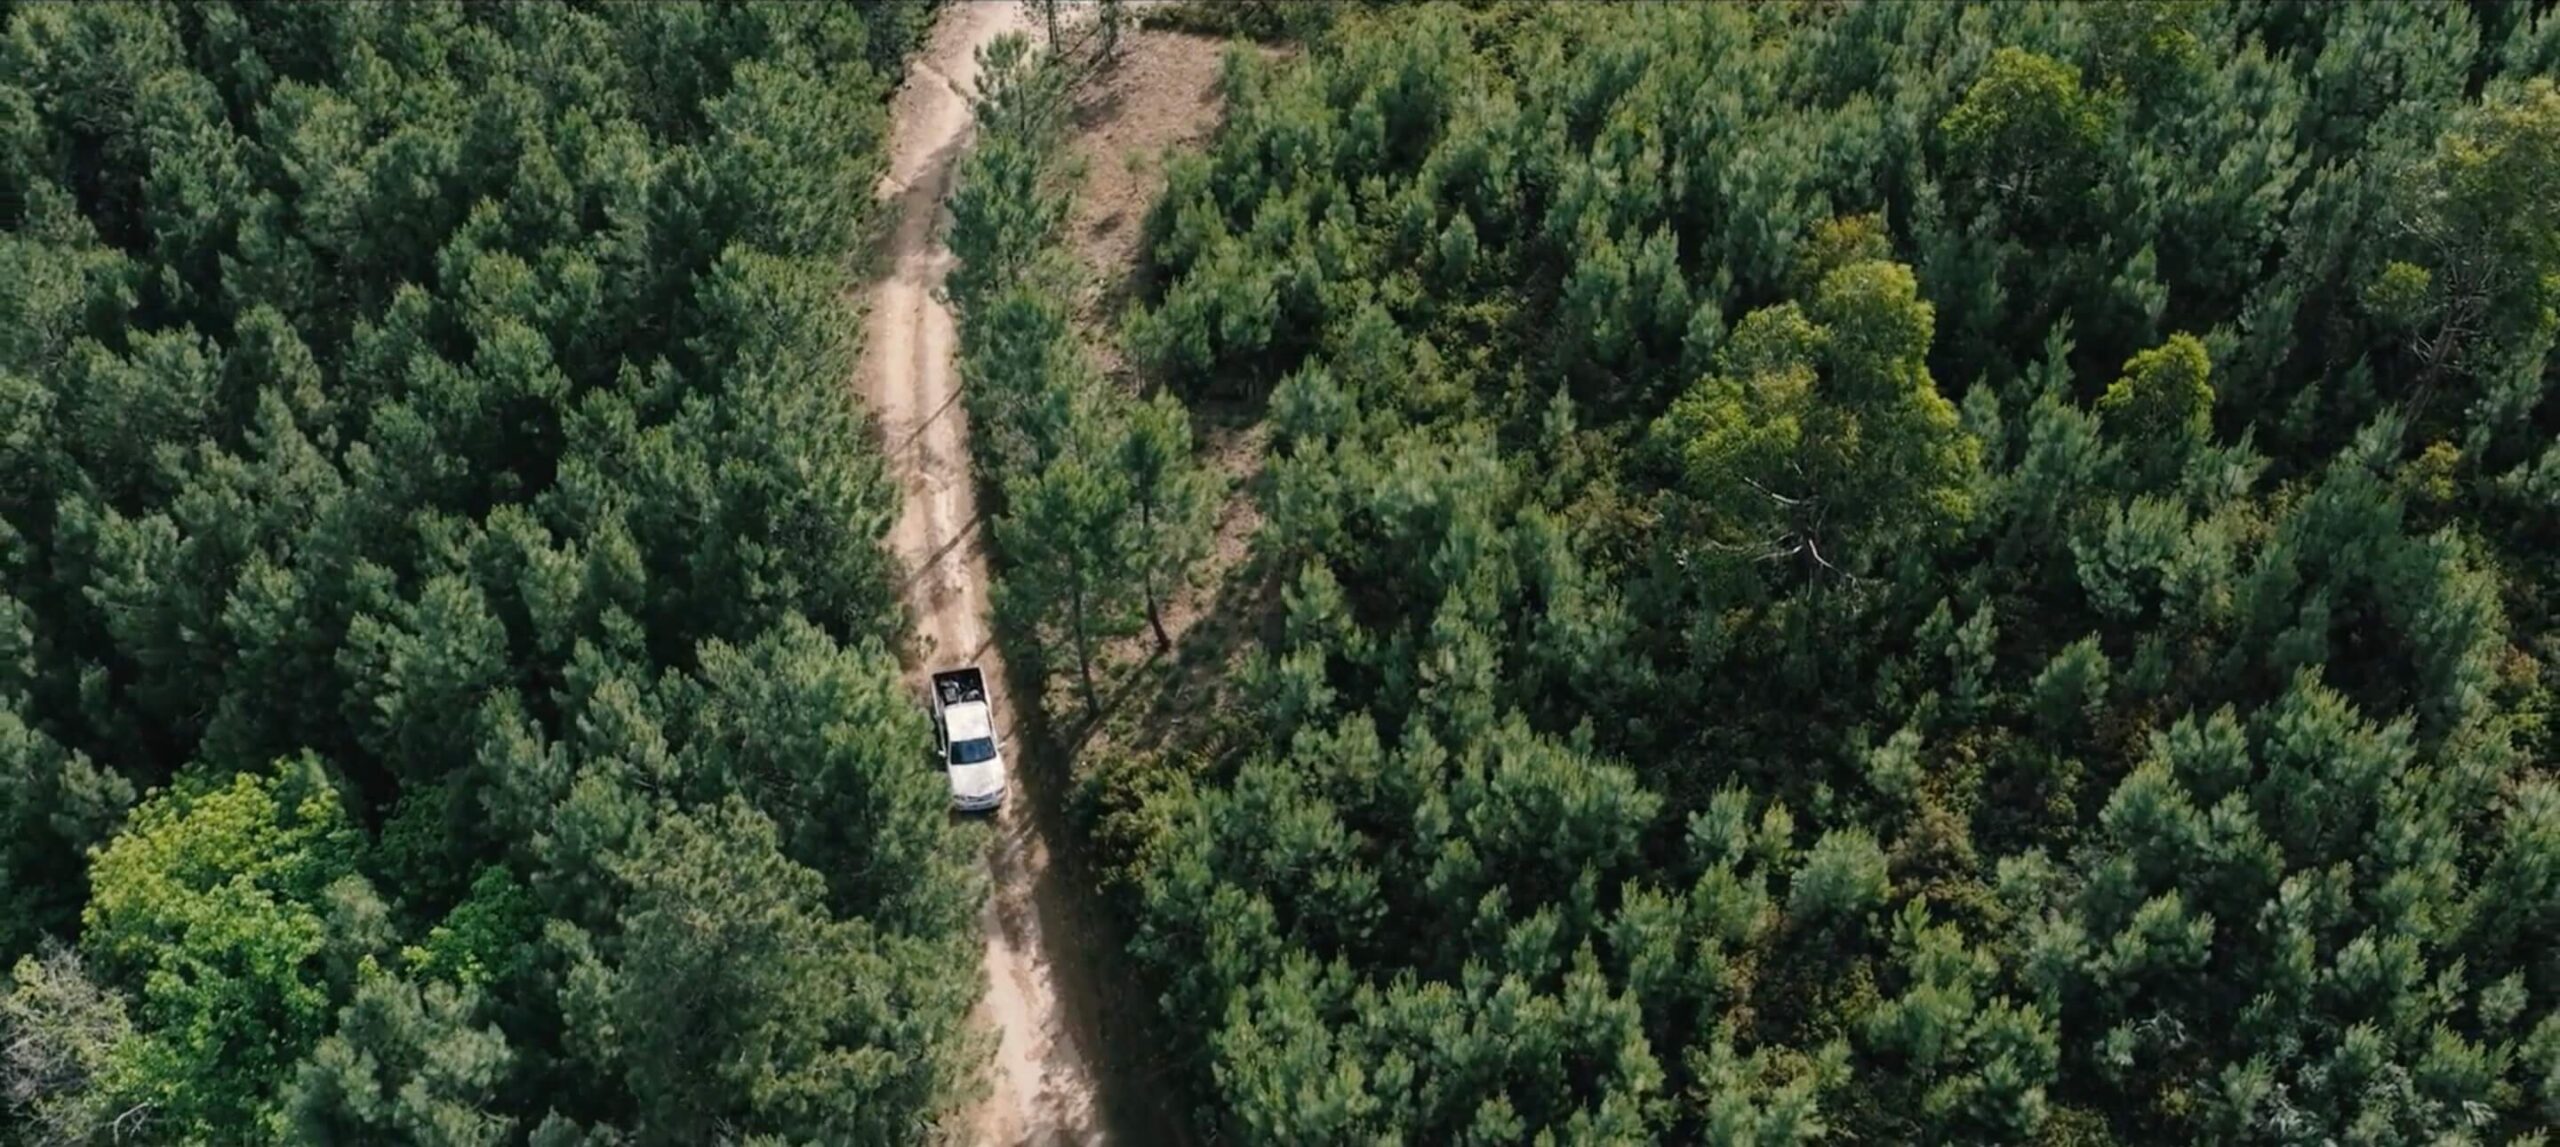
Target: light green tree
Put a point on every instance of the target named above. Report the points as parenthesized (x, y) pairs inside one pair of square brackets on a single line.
[(1822, 436), (2026, 138), (213, 907)]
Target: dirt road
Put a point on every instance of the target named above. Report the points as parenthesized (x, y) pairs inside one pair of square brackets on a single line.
[(1042, 956)]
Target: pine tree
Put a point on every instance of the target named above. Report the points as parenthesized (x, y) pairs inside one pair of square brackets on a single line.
[(1176, 500), (405, 1063), (1070, 523), (727, 996)]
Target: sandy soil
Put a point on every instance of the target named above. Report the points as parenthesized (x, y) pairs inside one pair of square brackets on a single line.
[(1161, 93), (1041, 961)]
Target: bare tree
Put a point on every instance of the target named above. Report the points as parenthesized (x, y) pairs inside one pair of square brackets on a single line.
[(1108, 19), (58, 1031), (1095, 44), (1046, 12)]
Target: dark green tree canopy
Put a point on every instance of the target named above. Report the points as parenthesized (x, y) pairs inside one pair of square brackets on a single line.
[(1881, 572), (433, 524)]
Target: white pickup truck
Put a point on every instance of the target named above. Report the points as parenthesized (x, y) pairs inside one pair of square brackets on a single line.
[(964, 727)]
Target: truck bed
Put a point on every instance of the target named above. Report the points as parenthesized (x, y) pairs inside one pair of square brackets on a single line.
[(959, 686)]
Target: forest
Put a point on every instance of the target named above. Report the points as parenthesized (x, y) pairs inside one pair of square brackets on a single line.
[(1827, 572), (449, 683), (1819, 571)]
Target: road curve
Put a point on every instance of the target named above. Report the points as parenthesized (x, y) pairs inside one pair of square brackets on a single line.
[(1041, 1003)]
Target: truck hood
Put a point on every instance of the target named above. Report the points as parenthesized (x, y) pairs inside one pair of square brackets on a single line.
[(979, 781)]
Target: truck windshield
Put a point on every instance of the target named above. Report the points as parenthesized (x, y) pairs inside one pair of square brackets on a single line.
[(973, 751)]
